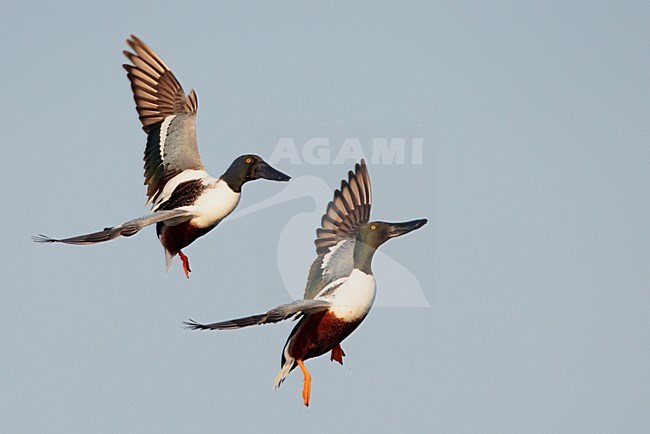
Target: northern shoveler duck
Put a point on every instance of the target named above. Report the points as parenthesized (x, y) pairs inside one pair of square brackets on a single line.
[(340, 286), (187, 203)]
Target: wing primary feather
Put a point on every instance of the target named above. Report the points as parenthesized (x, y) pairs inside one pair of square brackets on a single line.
[(348, 210)]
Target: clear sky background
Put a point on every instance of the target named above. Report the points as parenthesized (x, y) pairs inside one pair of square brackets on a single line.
[(529, 286)]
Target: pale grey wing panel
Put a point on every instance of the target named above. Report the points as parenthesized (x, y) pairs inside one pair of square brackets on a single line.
[(347, 212), (167, 116), (126, 229), (171, 149), (324, 270), (277, 314), (180, 148)]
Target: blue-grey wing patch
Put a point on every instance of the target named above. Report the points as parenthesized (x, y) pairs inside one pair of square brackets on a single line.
[(167, 116), (347, 212)]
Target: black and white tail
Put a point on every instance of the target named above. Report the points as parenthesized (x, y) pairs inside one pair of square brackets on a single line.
[(288, 365), (288, 362)]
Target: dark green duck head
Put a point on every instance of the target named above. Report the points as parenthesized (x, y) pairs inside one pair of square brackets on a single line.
[(249, 168), (374, 234)]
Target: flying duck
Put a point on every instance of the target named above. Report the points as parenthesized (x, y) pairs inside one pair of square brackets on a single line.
[(340, 286), (187, 202)]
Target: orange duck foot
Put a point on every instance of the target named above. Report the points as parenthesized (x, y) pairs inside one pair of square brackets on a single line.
[(337, 354), (186, 264), (306, 385)]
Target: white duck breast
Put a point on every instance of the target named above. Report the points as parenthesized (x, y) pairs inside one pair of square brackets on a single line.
[(214, 204), (353, 296)]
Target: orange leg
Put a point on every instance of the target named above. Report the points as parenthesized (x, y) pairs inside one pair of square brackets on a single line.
[(337, 354), (306, 386), (186, 264)]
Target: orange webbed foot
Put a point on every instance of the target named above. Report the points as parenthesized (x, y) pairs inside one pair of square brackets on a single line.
[(306, 385), (186, 264), (337, 354)]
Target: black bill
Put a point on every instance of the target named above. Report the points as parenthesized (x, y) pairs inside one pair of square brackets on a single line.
[(265, 171), (398, 229)]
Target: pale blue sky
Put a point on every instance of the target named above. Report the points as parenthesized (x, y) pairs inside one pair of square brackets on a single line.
[(531, 278)]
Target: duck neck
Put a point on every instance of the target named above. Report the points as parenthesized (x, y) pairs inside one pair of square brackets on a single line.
[(363, 254), (234, 178)]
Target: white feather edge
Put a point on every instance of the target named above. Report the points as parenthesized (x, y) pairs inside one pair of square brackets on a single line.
[(163, 135), (329, 254)]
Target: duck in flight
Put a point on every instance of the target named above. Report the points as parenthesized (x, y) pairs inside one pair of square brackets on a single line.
[(187, 203), (340, 286)]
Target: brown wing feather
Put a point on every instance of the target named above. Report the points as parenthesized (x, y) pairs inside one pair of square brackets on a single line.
[(156, 90), (348, 211)]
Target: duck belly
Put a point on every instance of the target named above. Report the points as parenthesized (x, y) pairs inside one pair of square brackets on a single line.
[(175, 238), (317, 334)]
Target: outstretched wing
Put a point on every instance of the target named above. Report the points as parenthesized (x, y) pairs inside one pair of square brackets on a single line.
[(347, 212), (127, 229), (167, 116), (280, 313)]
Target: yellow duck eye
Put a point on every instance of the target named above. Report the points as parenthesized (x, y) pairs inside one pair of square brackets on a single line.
[(373, 227), (249, 160)]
